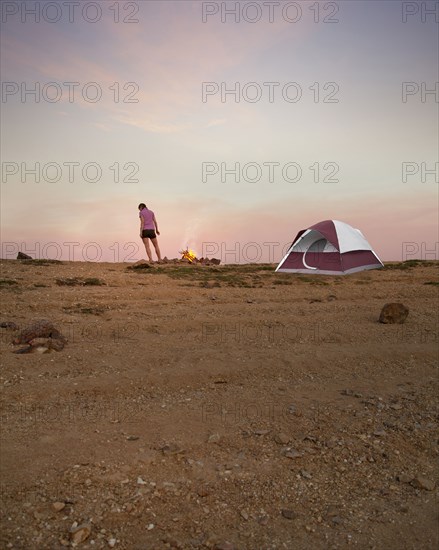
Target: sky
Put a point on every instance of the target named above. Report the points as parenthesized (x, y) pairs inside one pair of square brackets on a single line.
[(237, 123)]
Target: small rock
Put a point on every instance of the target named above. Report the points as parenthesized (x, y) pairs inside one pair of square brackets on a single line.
[(80, 533), (8, 324), (141, 482), (282, 438), (404, 478), (393, 313), (172, 449), (423, 483), (150, 527), (305, 474), (289, 514), (203, 491), (244, 515), (132, 438), (292, 453), (225, 545), (262, 520), (111, 543), (58, 506), (337, 520), (214, 438), (172, 542), (261, 432)]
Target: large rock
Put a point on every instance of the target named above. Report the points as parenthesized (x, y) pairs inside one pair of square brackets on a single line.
[(41, 337), (23, 256), (394, 313), (39, 329)]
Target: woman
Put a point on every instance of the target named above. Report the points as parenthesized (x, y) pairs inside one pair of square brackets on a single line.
[(148, 230)]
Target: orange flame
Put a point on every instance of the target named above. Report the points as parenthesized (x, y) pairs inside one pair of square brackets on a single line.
[(188, 254)]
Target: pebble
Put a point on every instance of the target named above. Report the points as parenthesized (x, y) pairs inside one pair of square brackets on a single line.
[(423, 483), (226, 545), (289, 514), (172, 449), (80, 533), (282, 438), (203, 491), (337, 520), (58, 506), (292, 453), (404, 478), (111, 543), (172, 542), (214, 438)]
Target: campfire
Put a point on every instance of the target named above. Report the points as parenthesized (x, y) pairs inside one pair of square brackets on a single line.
[(189, 255)]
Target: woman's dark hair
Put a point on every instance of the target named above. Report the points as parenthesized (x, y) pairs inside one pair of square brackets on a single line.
[(142, 206)]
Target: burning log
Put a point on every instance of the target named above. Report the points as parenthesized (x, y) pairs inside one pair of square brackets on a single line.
[(189, 255)]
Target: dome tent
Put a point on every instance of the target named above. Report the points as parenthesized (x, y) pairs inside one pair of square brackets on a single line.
[(330, 247)]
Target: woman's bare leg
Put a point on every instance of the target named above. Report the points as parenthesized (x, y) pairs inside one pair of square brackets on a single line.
[(147, 248), (157, 249)]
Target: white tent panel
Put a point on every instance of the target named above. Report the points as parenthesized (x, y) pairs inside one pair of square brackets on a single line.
[(306, 241), (350, 238)]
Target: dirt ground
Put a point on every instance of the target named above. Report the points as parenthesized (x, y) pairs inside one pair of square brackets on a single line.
[(223, 407)]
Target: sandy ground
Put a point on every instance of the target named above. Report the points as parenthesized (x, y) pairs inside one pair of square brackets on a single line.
[(220, 407)]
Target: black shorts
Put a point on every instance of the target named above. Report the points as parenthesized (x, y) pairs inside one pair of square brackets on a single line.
[(148, 234)]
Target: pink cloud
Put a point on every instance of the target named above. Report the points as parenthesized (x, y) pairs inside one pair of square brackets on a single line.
[(168, 66)]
